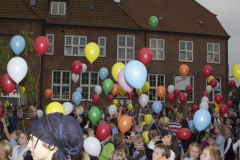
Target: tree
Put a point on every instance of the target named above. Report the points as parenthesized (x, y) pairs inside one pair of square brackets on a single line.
[(235, 96)]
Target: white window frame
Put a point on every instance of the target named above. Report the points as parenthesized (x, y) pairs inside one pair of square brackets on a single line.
[(186, 51), (79, 45), (212, 93), (51, 44), (58, 3), (153, 87), (61, 85), (213, 52), (158, 49), (89, 85), (192, 93), (103, 47), (125, 47)]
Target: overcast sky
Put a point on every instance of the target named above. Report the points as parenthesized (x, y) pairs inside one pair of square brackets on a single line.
[(228, 13)]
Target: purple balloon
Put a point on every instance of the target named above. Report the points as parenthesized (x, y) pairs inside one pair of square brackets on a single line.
[(122, 82)]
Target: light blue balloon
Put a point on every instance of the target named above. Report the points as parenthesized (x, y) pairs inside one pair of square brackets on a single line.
[(103, 73), (79, 89), (135, 73), (191, 125), (217, 87), (201, 119), (17, 44), (157, 106), (76, 98)]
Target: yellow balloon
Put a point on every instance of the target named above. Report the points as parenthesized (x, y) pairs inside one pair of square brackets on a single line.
[(115, 102), (130, 107), (22, 90), (210, 78), (145, 136), (91, 51), (55, 107), (143, 123), (216, 109), (236, 71), (148, 119), (7, 102), (146, 86), (216, 105), (5, 105), (117, 67), (121, 91), (139, 91)]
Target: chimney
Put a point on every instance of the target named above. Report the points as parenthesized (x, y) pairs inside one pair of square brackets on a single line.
[(32, 3)]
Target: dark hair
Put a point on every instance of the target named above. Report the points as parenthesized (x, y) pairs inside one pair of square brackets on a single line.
[(172, 115), (114, 121), (105, 118), (164, 148), (85, 132)]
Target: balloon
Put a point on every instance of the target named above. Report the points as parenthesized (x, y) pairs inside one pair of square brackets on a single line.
[(76, 67), (194, 108), (98, 89), (95, 99), (103, 131), (146, 86), (213, 83), (110, 98), (170, 89), (148, 118), (91, 51), (210, 78), (161, 91), (92, 146), (41, 45), (55, 107), (223, 109), (107, 86), (94, 114), (130, 107), (184, 70), (84, 68), (145, 56), (39, 113), (135, 74), (229, 103), (184, 134), (68, 107), (121, 91), (112, 109), (79, 89), (130, 95), (114, 90), (191, 125), (207, 71), (201, 119), (117, 67), (139, 91), (48, 93), (188, 88), (182, 98), (157, 107), (218, 98), (76, 98), (215, 104), (17, 44), (153, 21), (216, 110), (17, 69), (143, 100), (176, 92), (124, 123), (232, 83), (209, 88), (236, 71), (205, 99), (22, 90), (122, 82), (205, 94), (103, 73), (170, 97), (115, 102), (75, 77), (204, 105), (217, 87), (8, 85), (145, 136)]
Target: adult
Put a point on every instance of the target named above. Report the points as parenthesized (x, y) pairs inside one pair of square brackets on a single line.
[(15, 120)]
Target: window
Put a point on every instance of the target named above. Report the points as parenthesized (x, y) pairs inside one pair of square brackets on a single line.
[(50, 37), (155, 80), (58, 8), (186, 51), (190, 96), (212, 93), (213, 52), (125, 48), (157, 47), (74, 45), (89, 80), (61, 82), (102, 45)]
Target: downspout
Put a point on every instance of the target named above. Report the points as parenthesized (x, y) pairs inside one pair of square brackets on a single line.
[(145, 38), (227, 71)]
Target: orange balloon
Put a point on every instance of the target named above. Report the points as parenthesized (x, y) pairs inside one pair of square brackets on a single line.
[(161, 91), (48, 93), (184, 70), (124, 123), (115, 89)]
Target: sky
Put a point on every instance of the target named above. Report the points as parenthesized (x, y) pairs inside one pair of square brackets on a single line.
[(228, 13)]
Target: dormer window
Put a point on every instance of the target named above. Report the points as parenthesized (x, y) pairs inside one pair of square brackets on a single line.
[(58, 8)]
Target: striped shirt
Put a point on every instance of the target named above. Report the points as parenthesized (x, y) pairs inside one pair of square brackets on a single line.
[(174, 126)]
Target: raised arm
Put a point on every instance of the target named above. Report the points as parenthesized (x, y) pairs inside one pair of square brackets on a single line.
[(5, 129)]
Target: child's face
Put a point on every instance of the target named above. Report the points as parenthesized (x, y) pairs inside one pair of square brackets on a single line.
[(138, 145), (22, 139), (194, 152), (211, 142), (205, 155), (85, 136), (157, 153), (167, 139), (216, 130)]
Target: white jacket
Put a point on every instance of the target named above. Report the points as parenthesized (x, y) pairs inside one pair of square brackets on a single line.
[(15, 155)]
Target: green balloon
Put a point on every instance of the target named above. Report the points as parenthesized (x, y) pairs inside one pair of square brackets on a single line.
[(153, 21), (94, 114), (107, 86)]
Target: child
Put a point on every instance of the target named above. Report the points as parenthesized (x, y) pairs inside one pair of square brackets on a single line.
[(193, 152), (20, 150), (211, 140), (229, 122), (118, 140), (118, 154), (204, 140), (228, 145), (161, 152), (5, 150), (210, 153), (139, 154), (153, 136), (113, 125), (107, 149), (219, 130)]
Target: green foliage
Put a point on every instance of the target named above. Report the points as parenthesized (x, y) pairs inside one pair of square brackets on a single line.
[(235, 97)]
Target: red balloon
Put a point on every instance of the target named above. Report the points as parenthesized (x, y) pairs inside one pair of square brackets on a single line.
[(188, 88), (130, 95), (218, 98), (110, 98), (96, 99), (184, 134), (41, 45), (205, 93), (194, 108), (207, 71), (103, 131), (7, 83), (170, 97), (176, 92), (145, 56), (223, 109), (76, 67), (232, 83), (182, 98), (229, 103), (213, 83)]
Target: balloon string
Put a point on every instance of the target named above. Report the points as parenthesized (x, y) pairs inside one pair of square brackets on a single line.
[(38, 78), (18, 93), (197, 136)]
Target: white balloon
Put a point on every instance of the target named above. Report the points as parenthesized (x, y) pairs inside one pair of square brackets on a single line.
[(143, 100), (205, 99), (17, 69), (208, 88), (68, 107), (112, 109), (39, 113), (204, 105), (84, 68), (170, 89), (98, 90), (75, 77), (92, 146)]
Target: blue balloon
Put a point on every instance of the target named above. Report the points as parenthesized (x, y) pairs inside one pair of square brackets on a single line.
[(191, 125), (103, 73), (17, 44), (157, 106), (201, 119), (217, 87), (135, 73), (79, 89), (76, 98)]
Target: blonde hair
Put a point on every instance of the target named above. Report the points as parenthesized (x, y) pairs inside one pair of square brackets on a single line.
[(221, 128), (179, 116), (6, 147), (214, 152), (90, 132), (118, 154), (163, 122), (79, 110), (33, 107), (138, 139), (152, 134), (193, 144), (165, 150)]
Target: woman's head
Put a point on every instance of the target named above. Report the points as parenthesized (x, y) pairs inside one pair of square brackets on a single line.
[(210, 153), (160, 151), (5, 149), (193, 151)]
